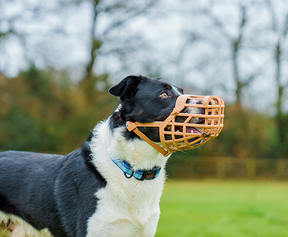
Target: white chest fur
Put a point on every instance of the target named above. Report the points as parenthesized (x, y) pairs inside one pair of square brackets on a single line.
[(126, 207)]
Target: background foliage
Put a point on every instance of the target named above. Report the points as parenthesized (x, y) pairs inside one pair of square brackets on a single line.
[(44, 111), (57, 61)]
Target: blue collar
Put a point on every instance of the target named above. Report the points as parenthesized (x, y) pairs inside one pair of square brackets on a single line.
[(138, 174)]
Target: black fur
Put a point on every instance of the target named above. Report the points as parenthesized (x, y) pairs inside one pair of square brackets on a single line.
[(76, 186), (87, 154), (140, 101), (57, 192), (50, 191), (9, 208), (116, 121), (127, 88)]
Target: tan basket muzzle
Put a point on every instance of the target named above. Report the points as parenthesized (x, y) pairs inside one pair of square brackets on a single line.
[(194, 121)]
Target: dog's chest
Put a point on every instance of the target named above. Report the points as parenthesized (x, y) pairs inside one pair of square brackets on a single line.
[(126, 210)]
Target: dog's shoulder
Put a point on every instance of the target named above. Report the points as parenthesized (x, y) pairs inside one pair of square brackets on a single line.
[(75, 189), (28, 166), (27, 156)]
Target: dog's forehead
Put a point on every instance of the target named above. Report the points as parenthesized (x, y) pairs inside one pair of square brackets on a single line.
[(156, 85), (165, 83), (170, 86)]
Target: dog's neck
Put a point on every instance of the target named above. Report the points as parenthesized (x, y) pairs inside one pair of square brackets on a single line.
[(139, 154), (129, 193)]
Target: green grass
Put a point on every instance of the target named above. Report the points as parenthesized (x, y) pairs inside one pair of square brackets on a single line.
[(224, 209)]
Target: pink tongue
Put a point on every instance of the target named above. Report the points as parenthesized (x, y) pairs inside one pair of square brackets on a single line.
[(195, 131), (177, 128), (188, 130)]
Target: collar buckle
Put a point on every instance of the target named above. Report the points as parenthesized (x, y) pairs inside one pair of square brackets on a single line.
[(150, 174), (140, 175)]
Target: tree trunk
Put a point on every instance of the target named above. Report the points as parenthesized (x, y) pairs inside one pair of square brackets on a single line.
[(280, 123), (89, 81)]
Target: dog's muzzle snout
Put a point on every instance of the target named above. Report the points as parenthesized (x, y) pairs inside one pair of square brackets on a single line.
[(193, 110), (197, 120), (194, 121)]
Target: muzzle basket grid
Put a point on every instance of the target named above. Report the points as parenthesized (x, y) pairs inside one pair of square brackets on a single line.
[(185, 128)]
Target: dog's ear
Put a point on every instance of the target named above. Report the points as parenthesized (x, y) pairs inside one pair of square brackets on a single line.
[(126, 88)]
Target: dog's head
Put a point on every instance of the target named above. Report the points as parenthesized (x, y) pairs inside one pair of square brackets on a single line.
[(145, 100)]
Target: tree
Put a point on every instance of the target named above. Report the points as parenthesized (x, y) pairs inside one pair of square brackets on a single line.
[(32, 31), (118, 13), (220, 48), (279, 28)]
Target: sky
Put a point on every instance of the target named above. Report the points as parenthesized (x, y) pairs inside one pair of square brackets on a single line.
[(175, 40)]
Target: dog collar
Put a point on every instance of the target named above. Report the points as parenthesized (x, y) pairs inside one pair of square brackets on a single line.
[(138, 174)]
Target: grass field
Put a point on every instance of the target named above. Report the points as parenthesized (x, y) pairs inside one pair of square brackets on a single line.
[(224, 209)]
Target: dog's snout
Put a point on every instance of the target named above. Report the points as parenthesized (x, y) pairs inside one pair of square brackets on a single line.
[(199, 120), (201, 110), (194, 110)]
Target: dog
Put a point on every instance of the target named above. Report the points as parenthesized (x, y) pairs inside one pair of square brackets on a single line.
[(109, 187)]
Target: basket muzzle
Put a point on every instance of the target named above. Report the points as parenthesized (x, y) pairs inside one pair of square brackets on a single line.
[(194, 121)]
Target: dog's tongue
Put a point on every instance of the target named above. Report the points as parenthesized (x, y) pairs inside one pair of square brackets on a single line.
[(188, 130)]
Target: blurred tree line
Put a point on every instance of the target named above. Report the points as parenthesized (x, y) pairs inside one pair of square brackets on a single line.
[(44, 111), (235, 47)]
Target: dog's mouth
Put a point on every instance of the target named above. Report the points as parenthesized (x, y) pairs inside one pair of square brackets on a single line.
[(180, 134), (191, 130), (187, 124), (192, 123)]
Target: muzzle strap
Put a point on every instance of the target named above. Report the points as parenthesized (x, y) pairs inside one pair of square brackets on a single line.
[(132, 127), (194, 121)]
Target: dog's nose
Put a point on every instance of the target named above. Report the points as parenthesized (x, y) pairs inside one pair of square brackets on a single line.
[(199, 120)]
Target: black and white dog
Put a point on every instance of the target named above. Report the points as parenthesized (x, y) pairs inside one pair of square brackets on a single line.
[(109, 187)]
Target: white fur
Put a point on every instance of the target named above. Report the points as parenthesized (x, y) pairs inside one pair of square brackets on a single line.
[(177, 90), (126, 207), (21, 228), (193, 110), (190, 110)]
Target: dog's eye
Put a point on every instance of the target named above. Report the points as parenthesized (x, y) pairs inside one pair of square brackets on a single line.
[(164, 94)]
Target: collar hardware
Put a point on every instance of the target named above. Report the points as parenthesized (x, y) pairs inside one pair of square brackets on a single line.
[(140, 175), (128, 177)]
